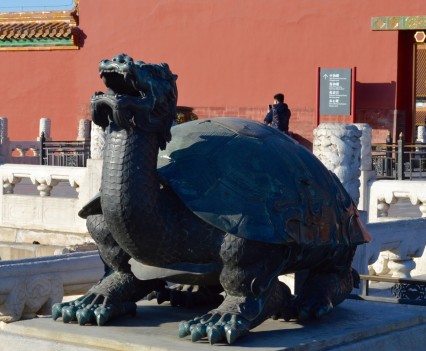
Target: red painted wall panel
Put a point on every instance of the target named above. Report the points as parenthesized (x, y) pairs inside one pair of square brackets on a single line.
[(228, 54)]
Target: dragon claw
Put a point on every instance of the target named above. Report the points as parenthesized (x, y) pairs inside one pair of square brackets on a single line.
[(198, 332), (57, 311), (103, 315), (183, 329), (69, 313), (215, 334), (216, 327), (85, 316)]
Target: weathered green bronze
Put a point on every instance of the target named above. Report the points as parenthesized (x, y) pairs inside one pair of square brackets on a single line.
[(229, 205)]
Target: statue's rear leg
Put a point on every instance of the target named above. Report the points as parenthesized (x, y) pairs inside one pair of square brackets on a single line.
[(327, 286), (118, 290)]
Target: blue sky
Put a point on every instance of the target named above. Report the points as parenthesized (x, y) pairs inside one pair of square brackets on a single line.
[(34, 5)]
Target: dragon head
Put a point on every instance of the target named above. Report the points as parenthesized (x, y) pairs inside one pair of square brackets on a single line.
[(119, 75), (138, 95)]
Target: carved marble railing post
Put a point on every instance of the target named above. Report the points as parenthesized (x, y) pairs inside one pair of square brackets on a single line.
[(338, 147), (421, 130), (84, 130), (4, 140), (97, 142), (3, 130), (44, 128), (367, 172)]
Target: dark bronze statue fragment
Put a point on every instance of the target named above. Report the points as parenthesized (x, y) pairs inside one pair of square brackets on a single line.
[(228, 204)]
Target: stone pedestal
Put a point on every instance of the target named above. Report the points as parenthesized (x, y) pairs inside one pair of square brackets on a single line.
[(352, 326)]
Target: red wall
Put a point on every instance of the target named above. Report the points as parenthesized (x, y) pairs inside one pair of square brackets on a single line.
[(231, 57)]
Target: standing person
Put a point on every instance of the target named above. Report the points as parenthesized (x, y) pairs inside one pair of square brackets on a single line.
[(279, 114)]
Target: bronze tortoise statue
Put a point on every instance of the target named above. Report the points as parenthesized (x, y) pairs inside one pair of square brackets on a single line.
[(229, 203)]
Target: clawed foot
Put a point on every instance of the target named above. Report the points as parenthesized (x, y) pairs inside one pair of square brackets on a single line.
[(216, 327), (92, 309), (236, 316), (114, 296)]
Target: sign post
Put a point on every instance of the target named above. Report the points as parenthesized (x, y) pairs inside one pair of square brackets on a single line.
[(335, 94)]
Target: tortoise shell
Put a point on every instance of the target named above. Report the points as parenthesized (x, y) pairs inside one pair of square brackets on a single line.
[(255, 182)]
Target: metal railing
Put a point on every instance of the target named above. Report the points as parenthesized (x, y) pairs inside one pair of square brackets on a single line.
[(399, 160), (407, 291), (64, 153)]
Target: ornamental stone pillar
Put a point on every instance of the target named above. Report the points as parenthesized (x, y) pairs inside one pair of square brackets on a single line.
[(44, 128), (367, 172), (84, 130), (3, 131), (4, 140), (338, 146)]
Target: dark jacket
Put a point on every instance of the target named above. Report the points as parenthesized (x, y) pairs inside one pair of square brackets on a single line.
[(278, 117)]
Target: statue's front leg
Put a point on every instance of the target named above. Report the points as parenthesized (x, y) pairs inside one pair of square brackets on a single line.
[(253, 292), (116, 293)]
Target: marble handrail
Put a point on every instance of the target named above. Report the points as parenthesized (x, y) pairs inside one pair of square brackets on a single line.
[(45, 212), (44, 177), (394, 248), (31, 286)]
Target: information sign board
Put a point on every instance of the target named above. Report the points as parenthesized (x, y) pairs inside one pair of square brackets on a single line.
[(335, 91)]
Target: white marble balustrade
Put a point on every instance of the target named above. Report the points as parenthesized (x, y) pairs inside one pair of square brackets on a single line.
[(385, 193), (397, 249), (45, 213)]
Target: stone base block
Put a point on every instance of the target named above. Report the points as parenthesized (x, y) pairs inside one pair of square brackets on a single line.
[(352, 326)]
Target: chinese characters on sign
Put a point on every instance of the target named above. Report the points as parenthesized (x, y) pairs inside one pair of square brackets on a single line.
[(335, 91)]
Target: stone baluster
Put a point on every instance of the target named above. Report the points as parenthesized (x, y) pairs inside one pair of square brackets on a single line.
[(338, 147), (44, 128), (9, 182), (97, 142), (44, 183), (384, 202), (419, 199), (84, 131)]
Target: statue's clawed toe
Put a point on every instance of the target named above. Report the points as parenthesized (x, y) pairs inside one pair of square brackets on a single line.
[(217, 327)]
